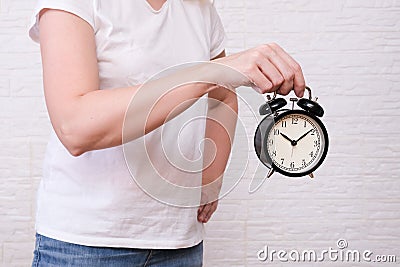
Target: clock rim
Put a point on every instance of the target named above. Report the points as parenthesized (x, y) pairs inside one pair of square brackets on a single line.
[(325, 148), (262, 141)]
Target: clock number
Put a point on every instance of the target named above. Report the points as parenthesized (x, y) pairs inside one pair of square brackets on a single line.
[(283, 160), (276, 132), (295, 120), (292, 165), (271, 142), (274, 154), (304, 163), (316, 143), (313, 132), (284, 124), (305, 124), (312, 154)]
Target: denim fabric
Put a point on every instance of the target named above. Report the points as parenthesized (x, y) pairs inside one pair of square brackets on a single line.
[(50, 252)]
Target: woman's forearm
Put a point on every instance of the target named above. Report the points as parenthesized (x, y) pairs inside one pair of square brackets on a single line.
[(220, 131), (96, 119)]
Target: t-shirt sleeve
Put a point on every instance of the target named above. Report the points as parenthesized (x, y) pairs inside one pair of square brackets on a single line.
[(81, 8), (218, 36)]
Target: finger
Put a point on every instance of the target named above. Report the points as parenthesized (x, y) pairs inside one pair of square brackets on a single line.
[(200, 209), (211, 211), (283, 67), (299, 83), (199, 214), (260, 81), (203, 214), (201, 217), (273, 75)]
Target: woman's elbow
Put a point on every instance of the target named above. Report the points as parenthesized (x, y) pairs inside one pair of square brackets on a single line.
[(72, 139), (75, 151)]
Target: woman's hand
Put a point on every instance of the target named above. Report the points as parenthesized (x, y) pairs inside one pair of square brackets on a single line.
[(269, 68), (205, 211)]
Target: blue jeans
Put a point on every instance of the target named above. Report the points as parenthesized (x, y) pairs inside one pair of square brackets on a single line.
[(50, 252)]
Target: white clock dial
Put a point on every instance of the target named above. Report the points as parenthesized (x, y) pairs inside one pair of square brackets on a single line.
[(295, 143)]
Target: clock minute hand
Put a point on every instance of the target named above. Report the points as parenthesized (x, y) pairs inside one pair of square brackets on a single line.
[(304, 135)]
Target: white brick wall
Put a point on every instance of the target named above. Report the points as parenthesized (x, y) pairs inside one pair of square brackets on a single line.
[(350, 52)]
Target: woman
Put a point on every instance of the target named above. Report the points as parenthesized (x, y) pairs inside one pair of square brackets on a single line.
[(95, 56)]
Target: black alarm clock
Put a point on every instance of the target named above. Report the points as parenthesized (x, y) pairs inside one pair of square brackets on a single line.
[(293, 142)]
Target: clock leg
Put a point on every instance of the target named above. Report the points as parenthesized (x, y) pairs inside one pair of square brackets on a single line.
[(271, 171), (311, 175)]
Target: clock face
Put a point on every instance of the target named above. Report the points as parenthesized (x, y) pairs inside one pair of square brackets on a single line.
[(296, 143)]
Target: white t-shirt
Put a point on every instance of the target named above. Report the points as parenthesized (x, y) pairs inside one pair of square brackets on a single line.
[(92, 199)]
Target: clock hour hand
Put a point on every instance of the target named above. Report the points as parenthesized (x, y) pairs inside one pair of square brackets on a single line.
[(304, 135), (286, 137), (293, 142)]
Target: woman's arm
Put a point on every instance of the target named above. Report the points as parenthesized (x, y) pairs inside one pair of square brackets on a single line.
[(86, 118), (220, 130)]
